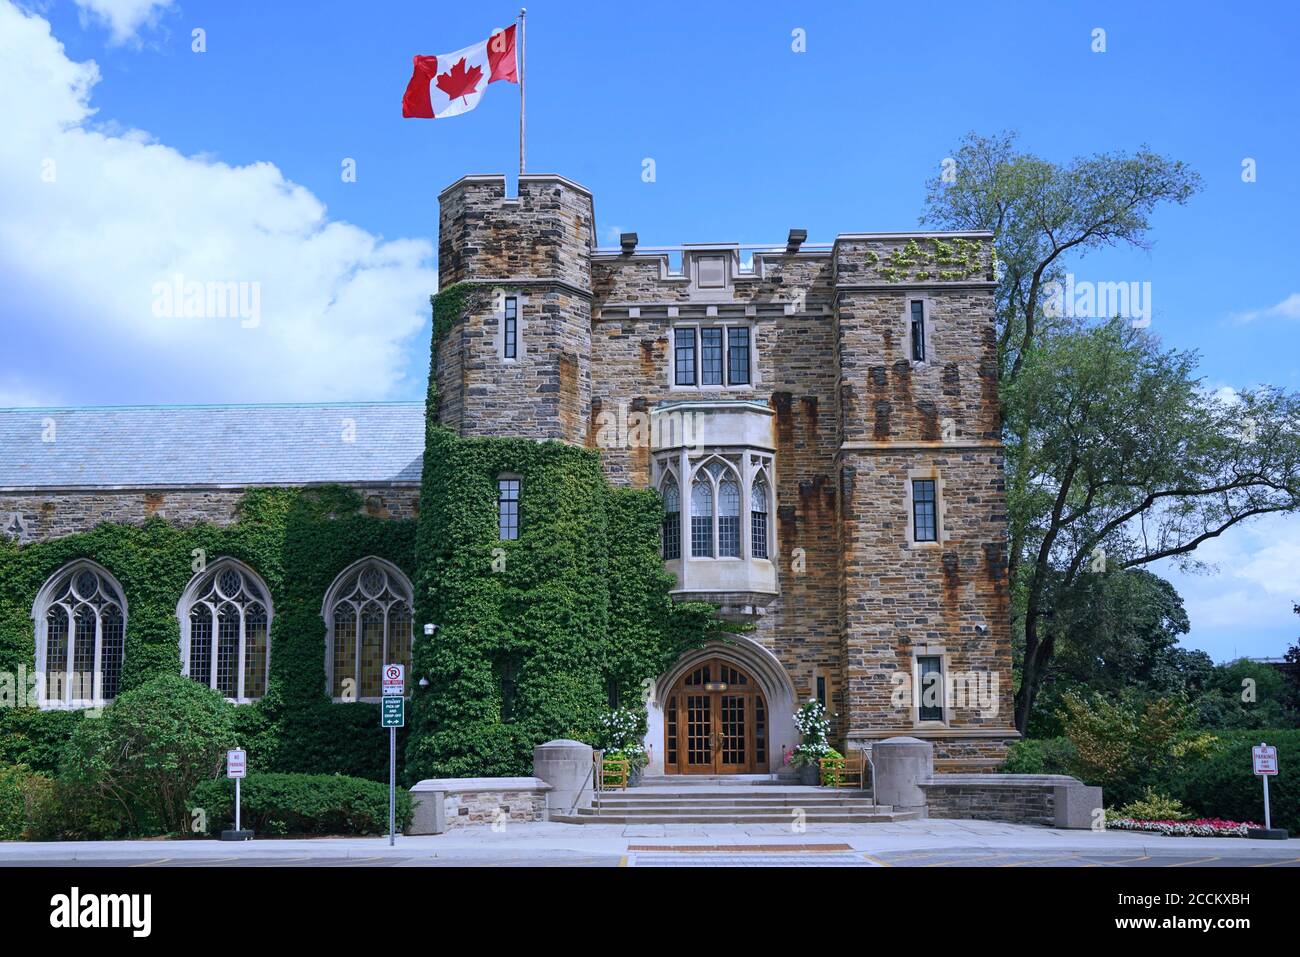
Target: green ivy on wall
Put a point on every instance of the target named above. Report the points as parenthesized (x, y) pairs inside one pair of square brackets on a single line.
[(298, 540)]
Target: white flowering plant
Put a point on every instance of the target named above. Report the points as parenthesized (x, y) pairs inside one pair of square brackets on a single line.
[(621, 735), (813, 725)]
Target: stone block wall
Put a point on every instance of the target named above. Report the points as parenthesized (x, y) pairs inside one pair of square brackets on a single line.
[(50, 514), (470, 801), (536, 247)]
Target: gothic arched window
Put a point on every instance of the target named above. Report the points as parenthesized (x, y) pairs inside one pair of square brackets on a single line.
[(758, 519), (728, 518), (672, 533), (367, 614), (701, 517), (225, 616), (80, 618)]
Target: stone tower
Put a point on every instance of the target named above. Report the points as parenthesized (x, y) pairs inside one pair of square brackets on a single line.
[(517, 362), (917, 403)]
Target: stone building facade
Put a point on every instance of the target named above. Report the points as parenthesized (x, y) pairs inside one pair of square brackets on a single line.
[(801, 408), (821, 420)]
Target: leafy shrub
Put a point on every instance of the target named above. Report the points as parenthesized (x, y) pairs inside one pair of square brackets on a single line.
[(27, 806), (1039, 756), (149, 750), (36, 738), (1127, 746), (1154, 807), (1222, 785), (301, 804)]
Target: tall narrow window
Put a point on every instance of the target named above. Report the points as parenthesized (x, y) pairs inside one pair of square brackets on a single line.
[(508, 508), (672, 520), (930, 674), (81, 636), (711, 356), (821, 690), (684, 356), (924, 516), (510, 333), (728, 518), (367, 612), (738, 356), (226, 627), (701, 518), (758, 519), (507, 668), (918, 330)]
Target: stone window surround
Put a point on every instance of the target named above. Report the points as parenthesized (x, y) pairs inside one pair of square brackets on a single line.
[(190, 594), (397, 580), (40, 609), (920, 651), (682, 461), (712, 322), (927, 325), (940, 507), (500, 295)]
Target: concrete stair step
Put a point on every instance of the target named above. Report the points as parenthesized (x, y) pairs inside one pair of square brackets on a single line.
[(690, 816), (746, 802)]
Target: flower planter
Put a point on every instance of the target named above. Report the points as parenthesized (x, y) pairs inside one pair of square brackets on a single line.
[(810, 775)]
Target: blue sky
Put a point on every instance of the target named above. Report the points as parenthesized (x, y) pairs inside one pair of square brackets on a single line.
[(226, 165)]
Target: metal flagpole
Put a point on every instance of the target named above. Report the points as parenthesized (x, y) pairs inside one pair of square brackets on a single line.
[(523, 12)]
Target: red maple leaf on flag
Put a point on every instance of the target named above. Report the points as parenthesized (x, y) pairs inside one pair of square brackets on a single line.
[(459, 81)]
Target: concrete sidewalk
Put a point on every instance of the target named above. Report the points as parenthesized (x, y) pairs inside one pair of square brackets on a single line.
[(542, 839)]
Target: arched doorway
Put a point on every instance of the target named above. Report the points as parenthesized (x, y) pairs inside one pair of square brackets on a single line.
[(715, 721)]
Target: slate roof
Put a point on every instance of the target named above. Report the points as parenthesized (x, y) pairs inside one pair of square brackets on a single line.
[(211, 445)]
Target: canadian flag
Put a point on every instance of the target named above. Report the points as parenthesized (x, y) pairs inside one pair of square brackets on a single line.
[(452, 83)]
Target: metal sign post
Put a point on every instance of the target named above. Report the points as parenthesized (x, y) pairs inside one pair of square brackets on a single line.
[(1263, 759), (236, 768), (392, 715)]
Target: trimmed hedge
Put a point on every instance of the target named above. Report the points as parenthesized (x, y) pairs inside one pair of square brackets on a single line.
[(26, 803), (1222, 785), (273, 804)]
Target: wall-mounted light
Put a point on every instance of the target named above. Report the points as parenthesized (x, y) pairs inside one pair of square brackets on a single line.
[(424, 682), (429, 629)]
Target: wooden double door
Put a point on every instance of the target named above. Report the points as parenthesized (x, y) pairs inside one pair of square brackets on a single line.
[(715, 722)]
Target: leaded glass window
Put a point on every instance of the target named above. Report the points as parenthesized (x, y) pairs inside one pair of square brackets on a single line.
[(758, 519), (81, 636), (672, 533), (368, 612), (702, 518), (508, 509), (226, 628), (924, 515), (728, 518)]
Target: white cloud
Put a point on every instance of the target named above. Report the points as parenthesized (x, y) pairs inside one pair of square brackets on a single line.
[(1242, 604), (1288, 308), (92, 220), (123, 17)]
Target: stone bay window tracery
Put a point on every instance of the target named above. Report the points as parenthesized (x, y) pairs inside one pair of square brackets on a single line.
[(729, 504)]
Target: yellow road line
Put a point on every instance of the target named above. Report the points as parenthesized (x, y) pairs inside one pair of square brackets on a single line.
[(622, 861), (161, 860), (1041, 860), (1204, 860), (1123, 860), (877, 861), (1294, 860)]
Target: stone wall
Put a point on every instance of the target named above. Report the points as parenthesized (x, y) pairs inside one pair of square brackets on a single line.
[(53, 513), (1051, 800), (469, 801)]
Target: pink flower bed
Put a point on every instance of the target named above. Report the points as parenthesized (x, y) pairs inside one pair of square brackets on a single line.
[(1201, 827)]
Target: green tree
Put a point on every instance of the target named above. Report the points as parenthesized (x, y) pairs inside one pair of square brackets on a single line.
[(1121, 458), (150, 749), (1246, 694)]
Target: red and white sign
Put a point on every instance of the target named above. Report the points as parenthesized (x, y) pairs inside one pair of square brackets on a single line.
[(1264, 758), (236, 763), (394, 680), (452, 83)]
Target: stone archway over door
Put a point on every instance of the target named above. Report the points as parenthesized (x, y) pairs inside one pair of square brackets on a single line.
[(716, 721)]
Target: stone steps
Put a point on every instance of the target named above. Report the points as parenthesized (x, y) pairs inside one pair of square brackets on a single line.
[(713, 802)]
